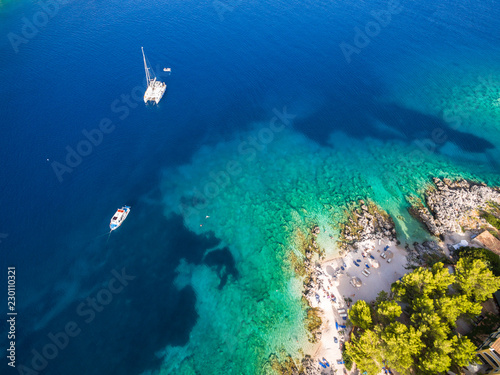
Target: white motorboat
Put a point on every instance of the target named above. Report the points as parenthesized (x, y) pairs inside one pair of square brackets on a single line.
[(119, 217)]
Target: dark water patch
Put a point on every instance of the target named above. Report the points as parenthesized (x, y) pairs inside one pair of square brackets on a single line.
[(346, 103), (146, 315), (222, 260), (418, 126), (353, 107)]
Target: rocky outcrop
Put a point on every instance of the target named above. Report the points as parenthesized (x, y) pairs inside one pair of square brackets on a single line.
[(425, 253), (306, 266), (450, 205), (366, 222), (310, 366), (312, 284)]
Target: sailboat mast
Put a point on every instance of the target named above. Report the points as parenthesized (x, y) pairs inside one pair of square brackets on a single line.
[(148, 77)]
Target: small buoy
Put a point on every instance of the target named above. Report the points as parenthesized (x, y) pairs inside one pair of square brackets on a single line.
[(206, 217), (48, 159)]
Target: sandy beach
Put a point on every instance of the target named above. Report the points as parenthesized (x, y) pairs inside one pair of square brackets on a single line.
[(335, 283), (340, 283)]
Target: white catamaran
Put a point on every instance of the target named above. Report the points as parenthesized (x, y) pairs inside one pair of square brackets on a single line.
[(155, 89)]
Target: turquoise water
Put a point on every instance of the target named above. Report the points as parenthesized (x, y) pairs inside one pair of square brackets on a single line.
[(260, 210), (266, 129)]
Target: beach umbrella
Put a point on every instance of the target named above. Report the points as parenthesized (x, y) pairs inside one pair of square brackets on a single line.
[(389, 254), (375, 264), (356, 281)]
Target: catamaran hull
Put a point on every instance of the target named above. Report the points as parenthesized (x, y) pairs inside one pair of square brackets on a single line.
[(155, 89), (155, 92)]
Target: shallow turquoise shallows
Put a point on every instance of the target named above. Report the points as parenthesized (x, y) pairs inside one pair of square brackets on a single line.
[(277, 115)]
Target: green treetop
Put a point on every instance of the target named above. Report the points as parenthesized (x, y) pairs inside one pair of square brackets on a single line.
[(365, 352), (433, 299), (432, 282), (464, 351), (360, 315), (435, 359), (388, 311), (475, 280), (402, 345)]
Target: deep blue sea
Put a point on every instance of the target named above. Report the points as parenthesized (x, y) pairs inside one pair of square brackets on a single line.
[(416, 66)]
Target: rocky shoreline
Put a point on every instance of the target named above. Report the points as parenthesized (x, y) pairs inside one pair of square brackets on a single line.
[(452, 206), (365, 222), (311, 284), (446, 207), (425, 253), (306, 266)]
